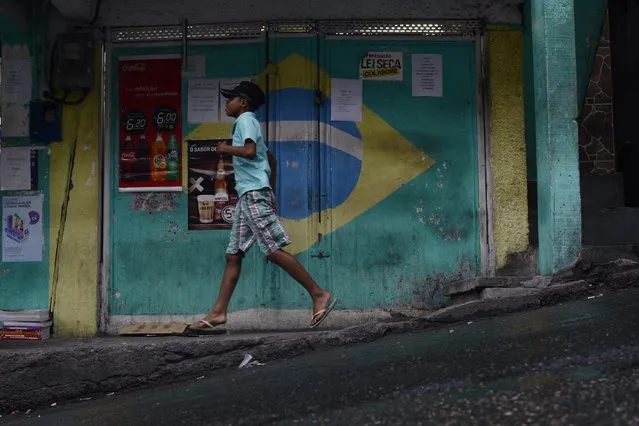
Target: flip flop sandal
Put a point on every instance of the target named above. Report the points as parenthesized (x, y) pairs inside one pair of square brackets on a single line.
[(324, 312), (210, 329)]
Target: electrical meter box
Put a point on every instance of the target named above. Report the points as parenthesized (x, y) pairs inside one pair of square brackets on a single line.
[(74, 61), (45, 121)]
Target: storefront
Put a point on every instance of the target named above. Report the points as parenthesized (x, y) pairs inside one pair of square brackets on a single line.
[(401, 146), (381, 153)]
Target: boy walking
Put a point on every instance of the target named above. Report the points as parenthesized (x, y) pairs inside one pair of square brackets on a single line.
[(255, 217)]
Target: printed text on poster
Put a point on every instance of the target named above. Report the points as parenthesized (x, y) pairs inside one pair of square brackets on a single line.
[(150, 134), (212, 193), (22, 234), (382, 66)]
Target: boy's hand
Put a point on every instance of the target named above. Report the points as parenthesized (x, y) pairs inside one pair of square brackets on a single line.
[(220, 147)]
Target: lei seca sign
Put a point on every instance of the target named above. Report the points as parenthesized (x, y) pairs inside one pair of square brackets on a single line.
[(382, 66)]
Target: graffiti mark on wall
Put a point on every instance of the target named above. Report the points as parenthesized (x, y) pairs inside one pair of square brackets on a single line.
[(153, 201)]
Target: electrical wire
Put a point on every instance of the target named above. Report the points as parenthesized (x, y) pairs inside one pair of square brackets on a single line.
[(96, 13), (63, 213)]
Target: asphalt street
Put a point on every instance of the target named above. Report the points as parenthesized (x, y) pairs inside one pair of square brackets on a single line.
[(575, 363)]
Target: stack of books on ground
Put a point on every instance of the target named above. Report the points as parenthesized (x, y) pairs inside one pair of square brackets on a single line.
[(25, 325)]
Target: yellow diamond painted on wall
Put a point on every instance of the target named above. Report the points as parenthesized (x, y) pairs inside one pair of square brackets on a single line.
[(366, 162)]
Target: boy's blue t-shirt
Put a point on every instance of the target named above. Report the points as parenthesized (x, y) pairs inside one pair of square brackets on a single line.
[(255, 174)]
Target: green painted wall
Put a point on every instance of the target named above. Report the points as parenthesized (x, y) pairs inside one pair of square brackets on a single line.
[(427, 230), (25, 285), (556, 131)]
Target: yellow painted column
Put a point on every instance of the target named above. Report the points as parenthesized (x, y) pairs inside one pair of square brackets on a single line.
[(508, 142), (75, 182)]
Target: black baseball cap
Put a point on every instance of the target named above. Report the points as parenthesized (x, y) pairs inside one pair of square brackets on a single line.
[(247, 90)]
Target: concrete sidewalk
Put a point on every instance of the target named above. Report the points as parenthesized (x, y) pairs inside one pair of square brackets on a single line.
[(40, 373)]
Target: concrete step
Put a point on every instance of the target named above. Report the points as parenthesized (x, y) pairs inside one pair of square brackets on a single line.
[(619, 226), (601, 191), (479, 283), (504, 293)]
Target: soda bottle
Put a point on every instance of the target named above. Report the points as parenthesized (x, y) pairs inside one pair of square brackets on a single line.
[(127, 160), (172, 159), (221, 190), (142, 160), (158, 160)]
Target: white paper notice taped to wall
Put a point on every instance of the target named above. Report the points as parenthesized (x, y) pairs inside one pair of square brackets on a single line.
[(427, 75), (15, 120), (203, 101), (16, 80), (15, 169), (346, 100), (196, 67)]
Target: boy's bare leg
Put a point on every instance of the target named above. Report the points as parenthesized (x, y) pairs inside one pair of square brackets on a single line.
[(290, 264), (231, 275)]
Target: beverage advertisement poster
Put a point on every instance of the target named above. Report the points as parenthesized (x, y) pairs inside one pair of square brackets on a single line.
[(150, 131), (22, 234), (212, 194)]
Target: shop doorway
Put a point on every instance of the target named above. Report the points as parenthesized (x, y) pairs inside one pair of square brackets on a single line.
[(379, 210)]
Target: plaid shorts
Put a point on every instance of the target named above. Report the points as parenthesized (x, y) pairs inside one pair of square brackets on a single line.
[(255, 220)]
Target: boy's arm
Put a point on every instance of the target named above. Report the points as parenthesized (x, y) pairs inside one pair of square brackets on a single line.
[(248, 151), (273, 165), (248, 132)]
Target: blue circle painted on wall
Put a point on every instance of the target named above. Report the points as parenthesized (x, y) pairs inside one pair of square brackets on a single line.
[(312, 175)]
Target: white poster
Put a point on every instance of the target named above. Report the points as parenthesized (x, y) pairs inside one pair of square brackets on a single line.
[(427, 75), (230, 83), (15, 169), (16, 80), (22, 236), (382, 66), (203, 101), (346, 99), (196, 67), (15, 120)]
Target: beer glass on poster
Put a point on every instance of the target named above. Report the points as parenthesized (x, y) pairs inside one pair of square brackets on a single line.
[(135, 158)]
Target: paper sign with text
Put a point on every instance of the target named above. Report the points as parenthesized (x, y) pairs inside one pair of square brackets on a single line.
[(382, 66)]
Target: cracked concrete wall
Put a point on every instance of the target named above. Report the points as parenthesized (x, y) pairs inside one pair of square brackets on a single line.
[(596, 127), (148, 12)]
